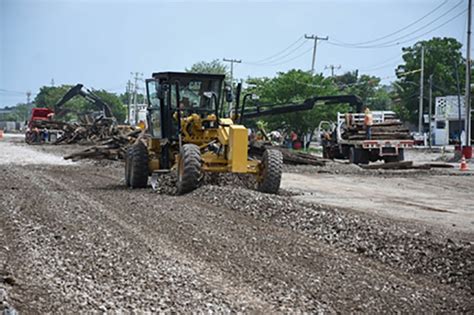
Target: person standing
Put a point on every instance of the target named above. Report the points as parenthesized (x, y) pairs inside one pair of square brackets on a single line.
[(368, 122)]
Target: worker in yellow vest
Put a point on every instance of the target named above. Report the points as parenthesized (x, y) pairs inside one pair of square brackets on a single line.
[(368, 122)]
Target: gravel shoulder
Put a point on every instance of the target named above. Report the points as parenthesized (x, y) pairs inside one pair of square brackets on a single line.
[(443, 201), (74, 238)]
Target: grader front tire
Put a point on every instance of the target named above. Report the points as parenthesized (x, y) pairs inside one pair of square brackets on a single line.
[(137, 168), (189, 168), (270, 179)]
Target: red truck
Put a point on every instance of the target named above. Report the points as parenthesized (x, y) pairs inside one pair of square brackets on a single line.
[(39, 129)]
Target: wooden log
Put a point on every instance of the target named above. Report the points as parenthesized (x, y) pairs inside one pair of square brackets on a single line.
[(391, 165), (440, 165)]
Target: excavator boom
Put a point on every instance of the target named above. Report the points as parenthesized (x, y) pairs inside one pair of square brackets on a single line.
[(88, 95)]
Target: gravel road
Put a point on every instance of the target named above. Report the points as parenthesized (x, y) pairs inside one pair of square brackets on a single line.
[(73, 238)]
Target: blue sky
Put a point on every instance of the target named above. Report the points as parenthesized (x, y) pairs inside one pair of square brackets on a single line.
[(98, 43)]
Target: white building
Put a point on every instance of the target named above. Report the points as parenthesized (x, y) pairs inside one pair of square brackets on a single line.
[(137, 114), (446, 124)]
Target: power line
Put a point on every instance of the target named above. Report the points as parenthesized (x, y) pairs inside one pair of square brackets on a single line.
[(279, 58), (392, 44), (381, 66), (278, 53), (288, 60), (11, 91), (399, 30), (422, 27)]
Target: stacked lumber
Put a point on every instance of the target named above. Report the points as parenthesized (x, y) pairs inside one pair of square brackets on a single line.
[(289, 157), (98, 130), (52, 125), (112, 148), (387, 130)]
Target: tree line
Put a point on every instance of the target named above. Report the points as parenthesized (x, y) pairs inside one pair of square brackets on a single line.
[(443, 60)]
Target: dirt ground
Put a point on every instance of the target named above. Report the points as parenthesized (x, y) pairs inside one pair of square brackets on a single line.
[(73, 238)]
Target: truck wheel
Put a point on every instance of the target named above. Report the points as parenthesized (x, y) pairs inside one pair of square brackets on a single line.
[(401, 155), (358, 156), (397, 158), (138, 166), (128, 158), (189, 168), (272, 161), (28, 137), (326, 153)]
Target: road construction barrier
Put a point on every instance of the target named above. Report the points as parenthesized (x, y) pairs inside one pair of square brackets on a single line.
[(463, 166)]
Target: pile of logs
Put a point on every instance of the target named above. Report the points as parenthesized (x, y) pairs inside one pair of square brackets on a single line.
[(51, 125), (93, 132), (111, 148), (387, 130), (289, 157)]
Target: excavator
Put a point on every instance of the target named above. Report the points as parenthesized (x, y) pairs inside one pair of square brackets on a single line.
[(78, 89), (189, 132)]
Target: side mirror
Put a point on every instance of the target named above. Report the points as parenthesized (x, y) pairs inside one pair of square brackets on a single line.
[(160, 91), (229, 97)]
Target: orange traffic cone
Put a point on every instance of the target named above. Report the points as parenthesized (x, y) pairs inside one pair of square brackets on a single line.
[(463, 166)]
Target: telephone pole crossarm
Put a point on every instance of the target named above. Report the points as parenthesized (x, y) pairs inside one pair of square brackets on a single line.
[(232, 61), (315, 38)]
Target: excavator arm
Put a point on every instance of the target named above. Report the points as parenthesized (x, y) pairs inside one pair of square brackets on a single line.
[(308, 104), (88, 95)]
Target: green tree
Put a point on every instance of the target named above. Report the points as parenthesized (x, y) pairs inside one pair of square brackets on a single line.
[(295, 86), (214, 67), (50, 95), (441, 56), (366, 87), (119, 110)]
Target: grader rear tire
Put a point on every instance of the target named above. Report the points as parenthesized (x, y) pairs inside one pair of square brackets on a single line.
[(189, 168), (272, 162), (138, 166), (128, 158)]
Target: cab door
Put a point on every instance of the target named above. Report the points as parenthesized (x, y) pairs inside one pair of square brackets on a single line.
[(155, 108)]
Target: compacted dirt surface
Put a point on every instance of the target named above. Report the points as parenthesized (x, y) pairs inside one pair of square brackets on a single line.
[(74, 239)]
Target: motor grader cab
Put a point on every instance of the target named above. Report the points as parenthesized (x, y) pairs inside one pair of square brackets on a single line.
[(186, 135)]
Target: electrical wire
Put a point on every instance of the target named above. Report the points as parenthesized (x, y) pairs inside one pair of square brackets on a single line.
[(11, 92), (392, 44), (286, 61), (279, 58), (399, 30), (278, 53)]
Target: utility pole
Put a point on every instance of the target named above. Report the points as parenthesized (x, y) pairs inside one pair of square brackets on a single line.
[(52, 82), (232, 61), (458, 89), (332, 67), (420, 109), (468, 77), (28, 95), (129, 94), (430, 111), (315, 38), (137, 77)]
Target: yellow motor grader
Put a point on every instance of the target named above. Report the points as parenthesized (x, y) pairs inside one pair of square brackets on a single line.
[(187, 135)]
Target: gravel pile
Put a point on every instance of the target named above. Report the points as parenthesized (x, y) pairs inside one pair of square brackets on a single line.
[(412, 251)]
